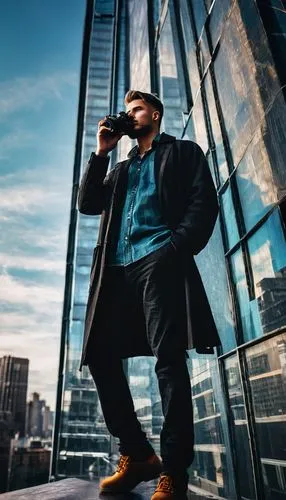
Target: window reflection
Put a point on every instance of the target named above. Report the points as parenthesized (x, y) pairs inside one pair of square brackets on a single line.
[(169, 81), (267, 375), (240, 429), (196, 129), (144, 389), (229, 217), (244, 92), (249, 314), (255, 182), (139, 46), (200, 15), (190, 47), (268, 258), (216, 130), (210, 469), (211, 262)]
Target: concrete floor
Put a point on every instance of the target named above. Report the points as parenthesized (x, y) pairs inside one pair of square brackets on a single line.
[(77, 489)]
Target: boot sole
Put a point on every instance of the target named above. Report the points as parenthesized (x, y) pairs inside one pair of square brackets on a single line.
[(107, 490)]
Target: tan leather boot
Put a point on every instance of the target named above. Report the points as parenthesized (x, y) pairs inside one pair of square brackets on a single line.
[(169, 488), (129, 473)]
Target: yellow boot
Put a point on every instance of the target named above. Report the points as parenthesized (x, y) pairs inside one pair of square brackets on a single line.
[(171, 488), (130, 472)]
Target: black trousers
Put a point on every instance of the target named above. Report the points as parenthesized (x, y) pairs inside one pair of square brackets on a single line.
[(152, 288)]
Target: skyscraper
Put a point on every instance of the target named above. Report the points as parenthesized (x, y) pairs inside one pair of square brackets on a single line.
[(35, 409), (13, 390), (219, 68)]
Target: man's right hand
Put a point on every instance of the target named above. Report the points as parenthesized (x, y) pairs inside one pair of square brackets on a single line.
[(106, 140)]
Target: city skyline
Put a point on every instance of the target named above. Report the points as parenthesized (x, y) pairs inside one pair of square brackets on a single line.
[(39, 84)]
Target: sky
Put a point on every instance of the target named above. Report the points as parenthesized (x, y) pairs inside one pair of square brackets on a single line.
[(40, 54)]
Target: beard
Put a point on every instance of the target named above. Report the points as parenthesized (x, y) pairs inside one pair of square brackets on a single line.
[(140, 132)]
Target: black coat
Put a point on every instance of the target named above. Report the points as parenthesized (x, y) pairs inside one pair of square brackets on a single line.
[(188, 203)]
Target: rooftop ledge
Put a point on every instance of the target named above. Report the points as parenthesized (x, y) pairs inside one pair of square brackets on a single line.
[(78, 489)]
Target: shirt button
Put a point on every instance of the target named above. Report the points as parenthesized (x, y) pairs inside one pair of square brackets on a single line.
[(126, 238)]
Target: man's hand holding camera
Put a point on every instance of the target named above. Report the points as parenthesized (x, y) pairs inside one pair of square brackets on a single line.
[(106, 139)]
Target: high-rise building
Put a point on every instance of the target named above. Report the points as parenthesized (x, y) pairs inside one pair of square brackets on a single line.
[(35, 410), (219, 67), (13, 389)]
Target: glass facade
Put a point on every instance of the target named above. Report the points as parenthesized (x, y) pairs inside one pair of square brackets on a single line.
[(218, 69)]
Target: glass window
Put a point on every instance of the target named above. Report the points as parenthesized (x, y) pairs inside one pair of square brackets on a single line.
[(208, 4), (240, 429), (249, 314), (217, 19), (190, 47), (266, 364), (212, 465), (229, 217), (204, 53), (255, 182), (170, 86), (216, 129), (213, 168), (211, 262), (139, 46), (246, 78), (268, 259), (279, 4), (196, 130), (273, 131), (156, 11), (200, 15)]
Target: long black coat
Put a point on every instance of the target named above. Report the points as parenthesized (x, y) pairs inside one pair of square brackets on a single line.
[(188, 203)]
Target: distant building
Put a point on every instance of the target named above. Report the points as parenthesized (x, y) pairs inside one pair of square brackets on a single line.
[(13, 394), (6, 433), (29, 464), (13, 389), (47, 422), (35, 408)]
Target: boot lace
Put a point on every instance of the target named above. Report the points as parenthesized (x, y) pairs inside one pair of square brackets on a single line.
[(123, 463), (166, 484)]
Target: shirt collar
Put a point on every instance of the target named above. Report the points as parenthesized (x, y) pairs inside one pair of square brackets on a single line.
[(135, 151)]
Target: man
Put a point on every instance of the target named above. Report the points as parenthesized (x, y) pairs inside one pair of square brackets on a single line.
[(146, 297)]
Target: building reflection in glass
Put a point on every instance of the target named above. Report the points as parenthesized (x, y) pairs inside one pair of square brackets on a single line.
[(212, 466), (266, 364), (243, 461)]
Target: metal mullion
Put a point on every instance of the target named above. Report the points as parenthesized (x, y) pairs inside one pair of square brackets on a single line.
[(114, 68), (253, 342), (127, 53), (250, 419), (183, 59), (230, 424), (151, 38)]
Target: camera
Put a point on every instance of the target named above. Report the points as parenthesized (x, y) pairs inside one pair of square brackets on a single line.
[(121, 122)]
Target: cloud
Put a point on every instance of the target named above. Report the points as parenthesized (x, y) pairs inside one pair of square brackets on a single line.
[(32, 93), (32, 263), (30, 321), (37, 297), (45, 187)]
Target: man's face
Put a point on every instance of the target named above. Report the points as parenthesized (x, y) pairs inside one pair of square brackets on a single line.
[(143, 115)]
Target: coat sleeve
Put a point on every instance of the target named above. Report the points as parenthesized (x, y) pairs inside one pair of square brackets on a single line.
[(94, 188), (198, 221)]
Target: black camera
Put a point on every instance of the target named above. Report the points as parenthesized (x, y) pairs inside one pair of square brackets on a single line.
[(121, 122)]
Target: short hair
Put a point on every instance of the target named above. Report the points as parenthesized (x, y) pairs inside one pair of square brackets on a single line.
[(149, 98)]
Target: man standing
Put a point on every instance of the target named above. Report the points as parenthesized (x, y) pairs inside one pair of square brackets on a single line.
[(146, 297)]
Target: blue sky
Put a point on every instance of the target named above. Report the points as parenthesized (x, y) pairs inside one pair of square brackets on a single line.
[(40, 55)]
